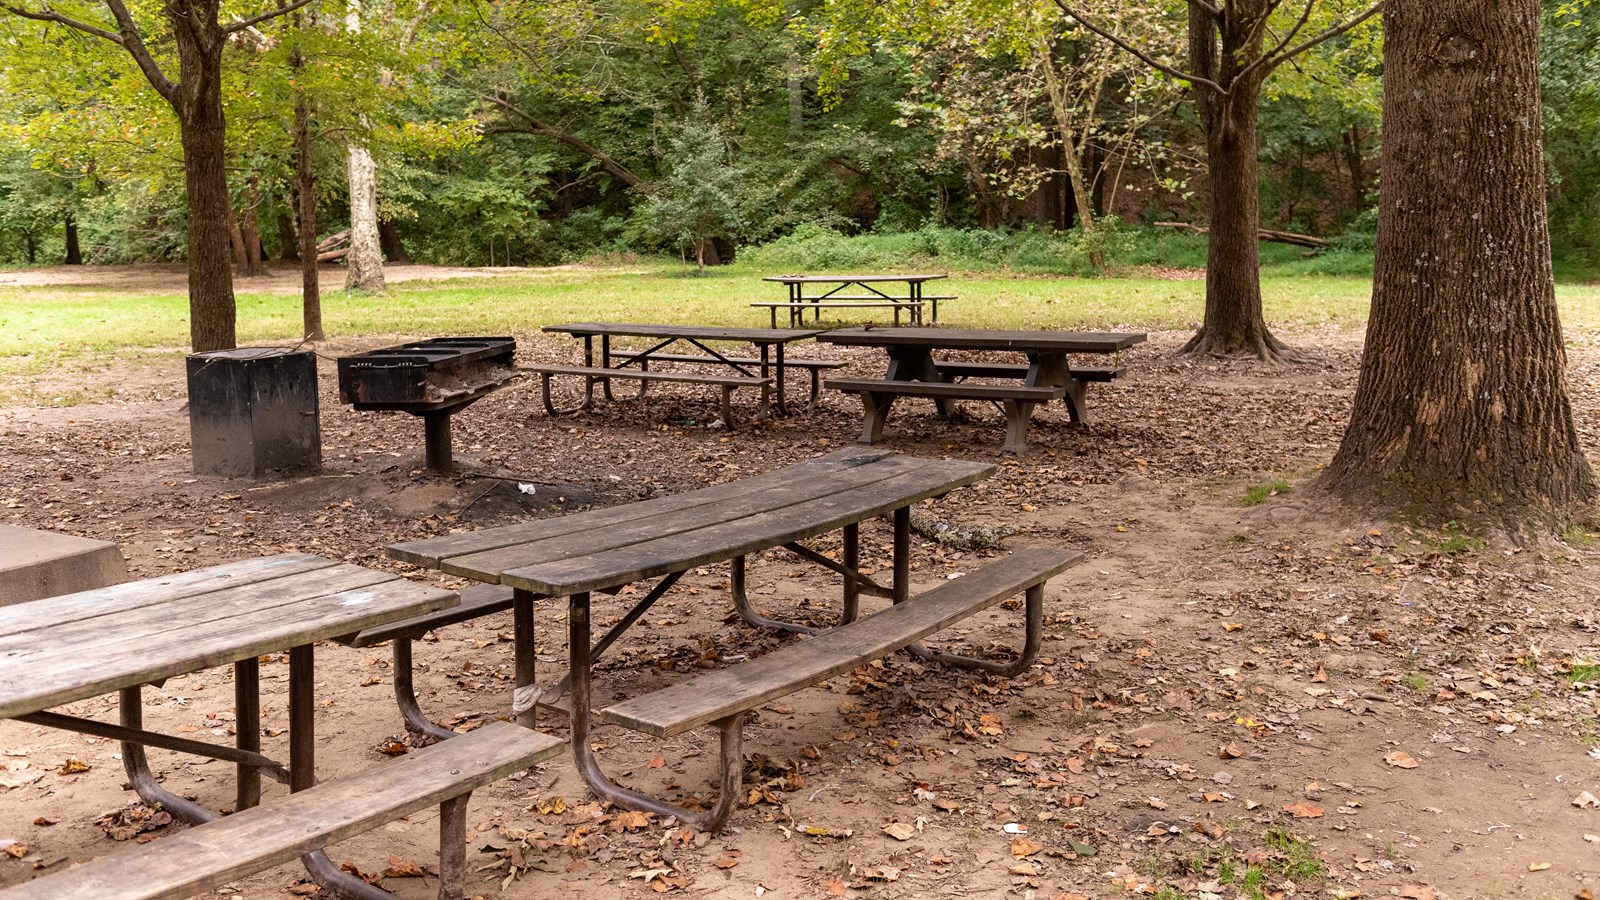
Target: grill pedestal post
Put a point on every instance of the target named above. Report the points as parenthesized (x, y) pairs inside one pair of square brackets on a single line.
[(436, 441)]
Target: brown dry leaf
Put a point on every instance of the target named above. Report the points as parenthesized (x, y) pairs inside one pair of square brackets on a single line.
[(552, 805), (727, 862), (1417, 892), (1400, 759), (1584, 894), (306, 890), (1209, 828), (1074, 765), (1023, 868), (1303, 810), (1586, 800), (656, 762), (1322, 675), (836, 888), (1232, 626), (900, 831), (394, 748), (72, 767), (400, 867), (1538, 866), (45, 820), (1021, 847), (989, 723), (1381, 635), (632, 820), (16, 850), (1230, 750)]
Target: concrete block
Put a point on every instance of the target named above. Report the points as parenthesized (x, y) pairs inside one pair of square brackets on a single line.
[(38, 564)]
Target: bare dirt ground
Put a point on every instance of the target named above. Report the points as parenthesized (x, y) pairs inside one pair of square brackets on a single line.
[(1264, 701)]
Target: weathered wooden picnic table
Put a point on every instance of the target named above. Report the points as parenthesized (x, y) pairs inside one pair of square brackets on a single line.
[(915, 372), (871, 293), (61, 650), (606, 550), (766, 371)]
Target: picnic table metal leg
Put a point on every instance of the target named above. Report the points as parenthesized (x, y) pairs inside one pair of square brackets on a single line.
[(405, 695), (902, 554), (522, 626), (850, 605), (453, 847), (731, 759), (303, 772), (247, 729), (747, 610), (130, 703), (1033, 605)]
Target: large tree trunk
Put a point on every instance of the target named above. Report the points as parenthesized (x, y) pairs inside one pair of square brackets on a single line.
[(288, 239), (364, 270), (1222, 49), (389, 239), (1462, 408), (203, 134), (74, 252)]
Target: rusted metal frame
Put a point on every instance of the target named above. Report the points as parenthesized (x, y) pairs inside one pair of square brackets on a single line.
[(850, 607), (731, 758), (605, 363), (130, 706), (1034, 628), (247, 732), (139, 738), (549, 405), (405, 695), (303, 772), (526, 652), (642, 358), (851, 573), (747, 610), (560, 688)]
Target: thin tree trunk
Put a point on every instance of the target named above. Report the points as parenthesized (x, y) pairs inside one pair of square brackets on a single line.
[(1354, 162), (310, 287), (1462, 408), (389, 238), (250, 230), (288, 238), (364, 270), (74, 252)]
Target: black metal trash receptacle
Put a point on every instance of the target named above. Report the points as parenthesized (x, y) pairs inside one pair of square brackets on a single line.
[(253, 411)]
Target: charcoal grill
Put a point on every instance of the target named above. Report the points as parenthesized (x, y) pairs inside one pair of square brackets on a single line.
[(434, 379)]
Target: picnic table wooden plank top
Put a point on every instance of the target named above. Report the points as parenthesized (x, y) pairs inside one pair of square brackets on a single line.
[(697, 332), (985, 339), (68, 648), (617, 546), (849, 279)]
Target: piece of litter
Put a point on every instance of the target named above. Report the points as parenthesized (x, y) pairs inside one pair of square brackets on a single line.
[(528, 489)]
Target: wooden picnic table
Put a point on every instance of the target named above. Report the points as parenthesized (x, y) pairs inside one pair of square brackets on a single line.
[(64, 649), (870, 293), (769, 344), (1047, 375), (606, 550)]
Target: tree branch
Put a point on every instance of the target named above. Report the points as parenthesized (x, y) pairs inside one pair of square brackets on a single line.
[(1267, 59), (48, 15), (269, 14), (1208, 6), (1141, 55), (1328, 35), (606, 161), (134, 44)]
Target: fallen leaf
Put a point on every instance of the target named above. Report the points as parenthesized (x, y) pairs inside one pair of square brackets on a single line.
[(1586, 800), (45, 820), (632, 820), (400, 867), (656, 762), (16, 850), (727, 862), (72, 767), (836, 888), (1538, 866), (1400, 760), (1021, 847), (1023, 868), (552, 805), (900, 831), (1322, 675), (1230, 750), (1231, 626), (1303, 810), (1417, 892)]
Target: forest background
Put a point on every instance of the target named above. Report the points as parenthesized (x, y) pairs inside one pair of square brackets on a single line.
[(966, 134)]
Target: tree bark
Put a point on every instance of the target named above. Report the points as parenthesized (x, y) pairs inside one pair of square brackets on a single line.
[(1461, 409), (288, 239), (364, 264), (250, 231), (1222, 50), (305, 188), (389, 238), (203, 133), (74, 252)]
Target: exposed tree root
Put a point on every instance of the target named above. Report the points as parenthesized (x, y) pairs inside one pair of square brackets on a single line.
[(1260, 344)]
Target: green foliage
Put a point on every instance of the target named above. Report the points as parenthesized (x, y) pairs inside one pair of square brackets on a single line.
[(699, 198), (1257, 494)]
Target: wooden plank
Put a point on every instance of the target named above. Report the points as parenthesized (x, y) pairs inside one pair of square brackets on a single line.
[(636, 329), (134, 594), (829, 303), (747, 535), (430, 552), (33, 681), (704, 699), (944, 390), (788, 362), (982, 369), (638, 375), (476, 600), (488, 566), (985, 339), (188, 862)]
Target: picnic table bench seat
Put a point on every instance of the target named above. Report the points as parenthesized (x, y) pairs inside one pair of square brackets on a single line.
[(951, 370), (208, 856), (878, 395), (815, 367), (592, 374), (797, 308), (724, 697)]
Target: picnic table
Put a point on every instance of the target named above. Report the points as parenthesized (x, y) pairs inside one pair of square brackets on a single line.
[(764, 371), (65, 649), (660, 539), (834, 291), (914, 371)]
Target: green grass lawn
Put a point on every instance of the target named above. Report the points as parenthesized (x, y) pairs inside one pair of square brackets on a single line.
[(41, 328)]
